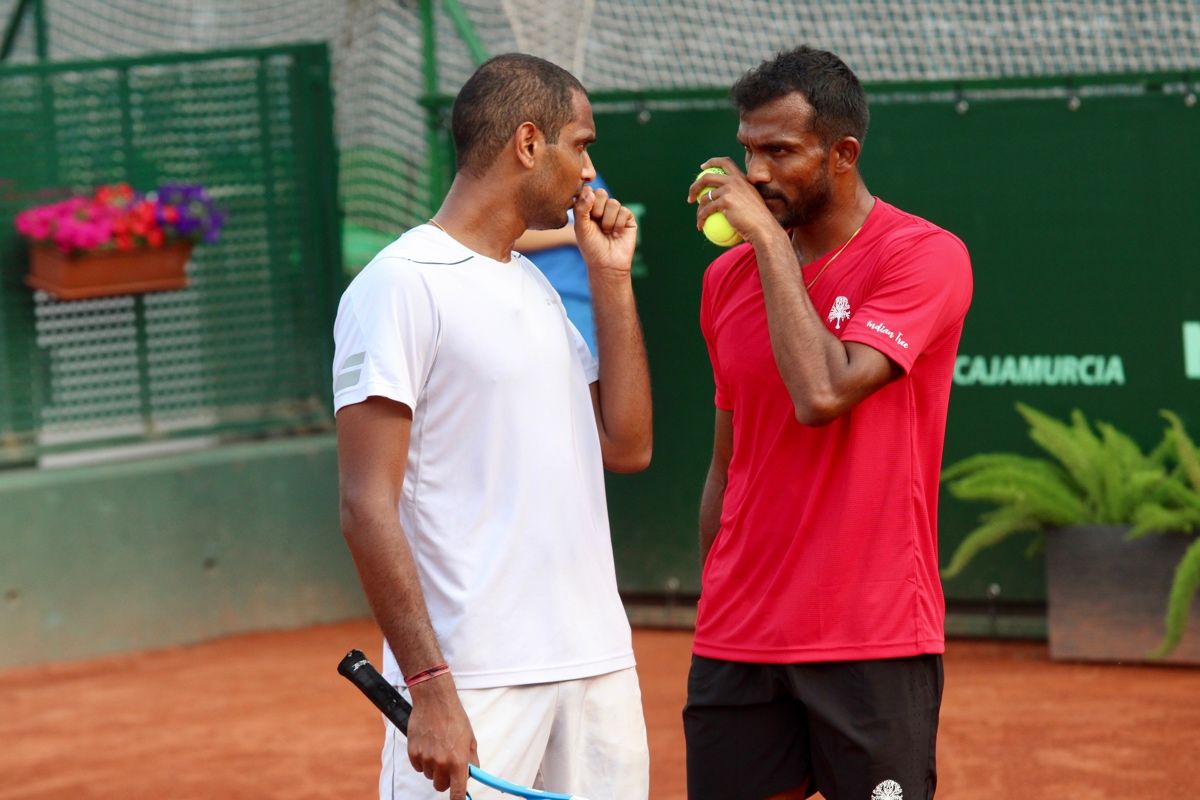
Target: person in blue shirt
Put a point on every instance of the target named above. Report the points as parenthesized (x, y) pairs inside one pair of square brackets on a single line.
[(555, 253)]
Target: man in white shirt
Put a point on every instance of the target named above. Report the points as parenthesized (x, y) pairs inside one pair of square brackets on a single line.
[(473, 429)]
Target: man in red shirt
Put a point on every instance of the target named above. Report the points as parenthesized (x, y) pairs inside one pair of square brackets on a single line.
[(832, 333)]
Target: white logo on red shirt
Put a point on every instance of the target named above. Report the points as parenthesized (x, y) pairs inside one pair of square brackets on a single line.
[(888, 790), (840, 311), (895, 336)]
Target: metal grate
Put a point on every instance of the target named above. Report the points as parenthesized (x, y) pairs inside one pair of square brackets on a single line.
[(627, 45), (244, 347)]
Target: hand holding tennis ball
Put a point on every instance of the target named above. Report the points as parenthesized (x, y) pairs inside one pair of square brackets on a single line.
[(716, 228)]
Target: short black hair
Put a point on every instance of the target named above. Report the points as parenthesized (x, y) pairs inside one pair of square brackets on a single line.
[(506, 91), (830, 87)]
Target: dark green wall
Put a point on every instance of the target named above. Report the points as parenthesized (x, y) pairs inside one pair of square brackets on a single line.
[(1081, 225), (171, 550)]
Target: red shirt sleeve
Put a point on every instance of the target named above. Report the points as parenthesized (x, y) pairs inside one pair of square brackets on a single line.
[(922, 293)]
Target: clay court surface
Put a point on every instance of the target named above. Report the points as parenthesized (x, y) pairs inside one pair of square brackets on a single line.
[(266, 716)]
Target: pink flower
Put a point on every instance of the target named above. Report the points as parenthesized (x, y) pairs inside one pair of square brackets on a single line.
[(33, 224), (115, 216)]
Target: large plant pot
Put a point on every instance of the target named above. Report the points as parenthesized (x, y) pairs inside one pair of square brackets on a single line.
[(1107, 597), (85, 275)]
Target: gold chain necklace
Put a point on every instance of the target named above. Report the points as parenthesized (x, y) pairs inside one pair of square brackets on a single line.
[(438, 225), (824, 266)]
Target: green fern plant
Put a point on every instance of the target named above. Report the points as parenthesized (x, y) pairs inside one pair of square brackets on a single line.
[(1094, 474), (1181, 513)]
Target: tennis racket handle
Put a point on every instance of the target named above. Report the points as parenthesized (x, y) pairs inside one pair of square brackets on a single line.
[(355, 668)]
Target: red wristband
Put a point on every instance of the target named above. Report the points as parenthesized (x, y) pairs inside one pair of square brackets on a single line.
[(427, 674)]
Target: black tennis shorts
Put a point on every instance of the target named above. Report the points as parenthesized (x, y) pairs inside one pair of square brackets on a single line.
[(852, 730)]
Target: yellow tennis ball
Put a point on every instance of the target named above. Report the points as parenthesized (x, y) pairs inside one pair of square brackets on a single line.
[(716, 228), (718, 231)]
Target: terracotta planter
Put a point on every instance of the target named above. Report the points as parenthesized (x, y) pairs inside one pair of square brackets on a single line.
[(1107, 598), (84, 275)]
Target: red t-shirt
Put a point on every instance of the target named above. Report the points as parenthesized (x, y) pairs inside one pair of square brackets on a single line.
[(827, 549)]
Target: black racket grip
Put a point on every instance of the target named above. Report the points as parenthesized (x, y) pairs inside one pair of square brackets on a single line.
[(355, 668)]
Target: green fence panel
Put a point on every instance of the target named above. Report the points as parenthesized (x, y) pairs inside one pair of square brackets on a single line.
[(1080, 218), (245, 346)]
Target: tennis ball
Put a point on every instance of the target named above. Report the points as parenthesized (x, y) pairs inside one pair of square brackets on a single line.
[(718, 231), (716, 228)]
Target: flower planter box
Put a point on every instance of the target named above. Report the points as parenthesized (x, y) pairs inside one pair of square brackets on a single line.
[(115, 272), (1107, 597)]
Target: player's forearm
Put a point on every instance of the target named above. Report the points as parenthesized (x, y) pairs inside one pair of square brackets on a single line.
[(389, 579), (440, 739), (813, 363), (624, 416)]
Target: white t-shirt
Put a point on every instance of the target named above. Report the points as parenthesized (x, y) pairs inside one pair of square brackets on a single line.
[(503, 501)]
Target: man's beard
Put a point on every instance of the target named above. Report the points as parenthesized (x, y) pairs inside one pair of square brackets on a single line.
[(543, 217), (541, 211), (808, 206)]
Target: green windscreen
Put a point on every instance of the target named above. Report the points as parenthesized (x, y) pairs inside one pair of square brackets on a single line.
[(1079, 211)]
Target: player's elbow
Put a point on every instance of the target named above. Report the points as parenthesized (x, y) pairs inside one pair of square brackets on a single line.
[(356, 510), (350, 515), (817, 409), (628, 460)]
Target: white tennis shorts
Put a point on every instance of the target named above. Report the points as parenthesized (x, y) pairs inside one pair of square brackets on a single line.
[(584, 737)]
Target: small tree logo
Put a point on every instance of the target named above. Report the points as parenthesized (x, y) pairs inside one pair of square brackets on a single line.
[(840, 311), (888, 790)]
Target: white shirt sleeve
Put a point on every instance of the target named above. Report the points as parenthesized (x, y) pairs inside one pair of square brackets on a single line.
[(385, 335)]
